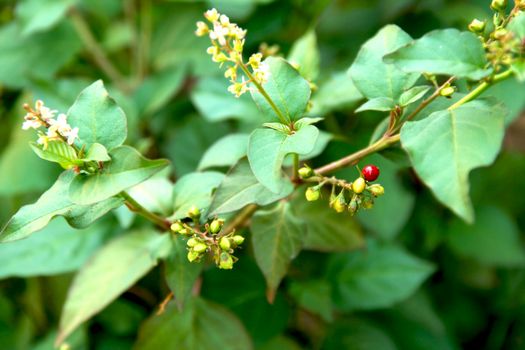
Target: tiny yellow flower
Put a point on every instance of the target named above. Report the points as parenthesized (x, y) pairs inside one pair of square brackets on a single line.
[(202, 29), (212, 15)]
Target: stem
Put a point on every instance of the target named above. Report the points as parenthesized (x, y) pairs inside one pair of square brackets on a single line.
[(295, 174), (481, 88), (136, 207), (353, 158), (263, 92), (99, 56), (241, 218)]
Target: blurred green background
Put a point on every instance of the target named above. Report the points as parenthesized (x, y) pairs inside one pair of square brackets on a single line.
[(177, 106)]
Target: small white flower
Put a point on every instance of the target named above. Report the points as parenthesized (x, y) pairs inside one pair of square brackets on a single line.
[(262, 74), (59, 125), (31, 124), (212, 15), (71, 135)]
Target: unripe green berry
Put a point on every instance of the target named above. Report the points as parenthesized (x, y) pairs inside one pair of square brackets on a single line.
[(305, 172), (192, 256), (377, 190), (225, 261), (176, 227), (185, 231), (498, 5), (312, 193), (500, 33), (225, 244), (339, 204), (367, 203), (238, 240), (477, 26), (447, 91), (194, 213), (353, 206), (192, 242), (200, 247), (358, 186), (216, 225)]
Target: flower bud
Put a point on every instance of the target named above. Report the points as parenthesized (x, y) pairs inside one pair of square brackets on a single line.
[(225, 244), (176, 227), (339, 204), (200, 247), (477, 26), (238, 240), (377, 190), (447, 91), (358, 186), (312, 193), (192, 242), (216, 226), (498, 5), (353, 206), (225, 261), (192, 256), (305, 172), (194, 213)]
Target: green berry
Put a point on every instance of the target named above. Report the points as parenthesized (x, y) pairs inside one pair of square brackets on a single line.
[(194, 213), (176, 227), (192, 256), (358, 186), (216, 226), (225, 261), (192, 242), (498, 5), (238, 240), (447, 91), (353, 206), (305, 172), (200, 247), (339, 204), (312, 193), (377, 190), (225, 244), (477, 26)]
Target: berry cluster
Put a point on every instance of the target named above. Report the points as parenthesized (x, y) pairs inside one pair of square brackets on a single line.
[(352, 195), (212, 239)]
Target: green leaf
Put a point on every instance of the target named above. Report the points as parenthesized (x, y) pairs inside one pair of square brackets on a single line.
[(281, 343), (267, 149), (306, 121), (58, 152), (382, 104), (446, 51), (98, 118), (152, 193), (56, 249), (157, 90), (240, 188), (448, 144), (357, 335), (97, 152), (213, 101), (519, 70), (494, 239), (289, 91), (337, 93), (314, 296), (277, 237), (376, 278), (127, 169), (39, 15), (201, 325), (194, 189), (55, 202), (305, 54), (113, 269), (180, 273), (517, 25), (413, 95), (225, 152), (375, 78), (19, 66), (326, 230)]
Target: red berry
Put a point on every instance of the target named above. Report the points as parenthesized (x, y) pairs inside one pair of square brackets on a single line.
[(370, 172)]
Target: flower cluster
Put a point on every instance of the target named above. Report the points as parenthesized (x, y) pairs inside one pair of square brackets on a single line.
[(43, 117), (227, 45), (221, 245)]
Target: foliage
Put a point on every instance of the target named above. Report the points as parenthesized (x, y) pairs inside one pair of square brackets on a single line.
[(181, 191)]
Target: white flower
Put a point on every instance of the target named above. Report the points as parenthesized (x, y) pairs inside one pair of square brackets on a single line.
[(212, 15), (71, 135), (31, 124), (59, 125), (262, 74)]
